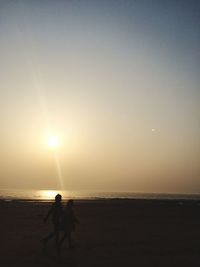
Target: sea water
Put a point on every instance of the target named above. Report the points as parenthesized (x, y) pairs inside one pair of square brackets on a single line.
[(48, 195)]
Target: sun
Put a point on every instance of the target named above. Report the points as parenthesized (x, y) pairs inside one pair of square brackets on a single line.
[(52, 142)]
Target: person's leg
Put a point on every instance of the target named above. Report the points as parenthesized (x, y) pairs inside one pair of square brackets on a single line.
[(69, 240), (50, 236), (46, 239), (60, 242), (57, 237), (63, 238)]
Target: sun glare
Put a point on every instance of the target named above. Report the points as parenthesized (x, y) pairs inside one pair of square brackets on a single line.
[(48, 194), (53, 142)]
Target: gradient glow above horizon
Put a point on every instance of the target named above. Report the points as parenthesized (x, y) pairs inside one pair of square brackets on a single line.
[(116, 82)]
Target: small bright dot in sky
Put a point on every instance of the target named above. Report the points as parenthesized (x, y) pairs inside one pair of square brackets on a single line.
[(53, 141), (153, 130)]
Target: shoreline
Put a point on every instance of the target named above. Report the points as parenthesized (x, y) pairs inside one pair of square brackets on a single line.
[(48, 195), (101, 199)]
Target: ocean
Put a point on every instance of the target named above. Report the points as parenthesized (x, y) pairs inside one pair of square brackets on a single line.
[(49, 195)]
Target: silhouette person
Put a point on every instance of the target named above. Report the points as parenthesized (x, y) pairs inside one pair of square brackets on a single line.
[(56, 212), (68, 223)]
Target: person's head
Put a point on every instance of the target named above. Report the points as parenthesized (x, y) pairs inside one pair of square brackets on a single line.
[(58, 198)]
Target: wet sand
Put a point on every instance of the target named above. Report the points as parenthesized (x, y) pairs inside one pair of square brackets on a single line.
[(111, 233)]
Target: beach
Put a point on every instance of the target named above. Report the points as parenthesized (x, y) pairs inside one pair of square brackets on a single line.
[(111, 233)]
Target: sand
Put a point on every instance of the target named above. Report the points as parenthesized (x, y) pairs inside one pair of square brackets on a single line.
[(111, 233)]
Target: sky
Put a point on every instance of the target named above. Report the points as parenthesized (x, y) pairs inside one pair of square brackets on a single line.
[(116, 82)]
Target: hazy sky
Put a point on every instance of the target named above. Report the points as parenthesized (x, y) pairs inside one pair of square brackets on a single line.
[(116, 81)]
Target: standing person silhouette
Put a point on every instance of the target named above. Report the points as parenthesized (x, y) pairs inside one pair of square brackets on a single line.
[(56, 211), (68, 223)]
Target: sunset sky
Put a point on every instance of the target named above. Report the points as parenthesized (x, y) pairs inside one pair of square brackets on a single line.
[(116, 82)]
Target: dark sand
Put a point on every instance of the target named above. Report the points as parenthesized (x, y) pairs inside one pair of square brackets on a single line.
[(111, 233)]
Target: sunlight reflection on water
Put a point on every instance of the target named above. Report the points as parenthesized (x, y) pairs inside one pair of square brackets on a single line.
[(50, 194), (45, 195)]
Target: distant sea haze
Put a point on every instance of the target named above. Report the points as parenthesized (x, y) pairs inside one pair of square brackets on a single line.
[(48, 195)]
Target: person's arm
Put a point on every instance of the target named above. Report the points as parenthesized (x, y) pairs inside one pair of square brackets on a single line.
[(75, 219), (48, 214)]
